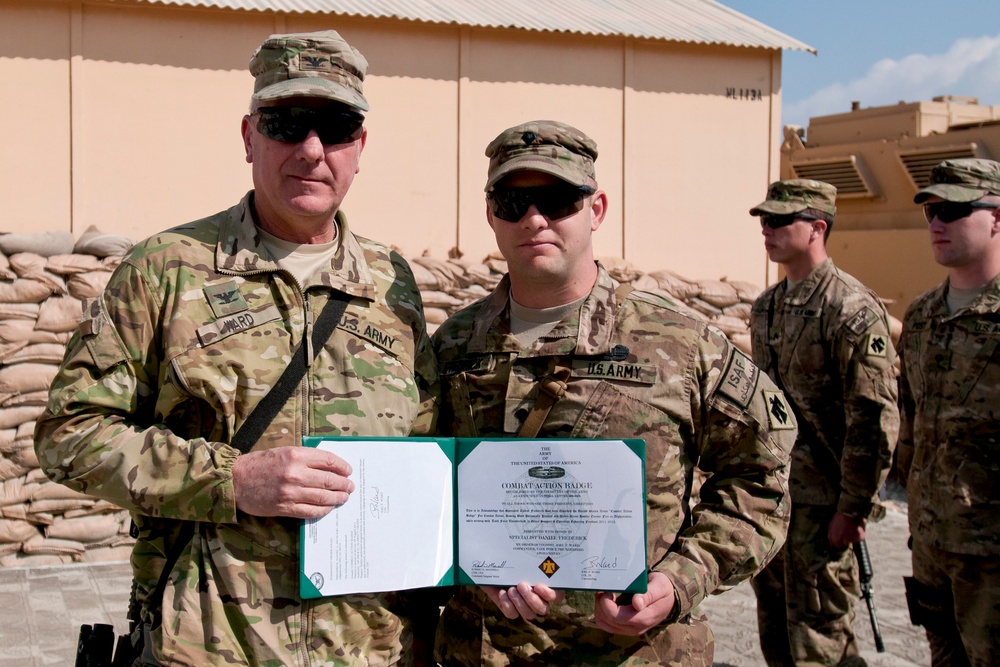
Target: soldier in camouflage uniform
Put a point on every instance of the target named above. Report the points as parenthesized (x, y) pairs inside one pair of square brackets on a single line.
[(635, 366), (949, 443), (824, 338), (193, 330)]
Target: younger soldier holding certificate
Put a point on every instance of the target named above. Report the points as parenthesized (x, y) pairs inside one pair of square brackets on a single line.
[(614, 363)]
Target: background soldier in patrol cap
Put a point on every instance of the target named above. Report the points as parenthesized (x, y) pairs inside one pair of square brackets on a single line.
[(824, 339), (194, 328), (949, 443), (692, 396)]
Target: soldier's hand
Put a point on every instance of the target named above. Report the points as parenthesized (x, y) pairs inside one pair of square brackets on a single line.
[(528, 602), (845, 531), (646, 611), (300, 482)]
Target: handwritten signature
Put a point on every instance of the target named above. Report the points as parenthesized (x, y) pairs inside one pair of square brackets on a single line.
[(374, 506), (489, 565), (600, 563)]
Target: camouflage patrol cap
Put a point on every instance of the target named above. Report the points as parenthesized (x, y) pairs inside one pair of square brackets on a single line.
[(797, 195), (309, 64), (547, 146), (962, 180)]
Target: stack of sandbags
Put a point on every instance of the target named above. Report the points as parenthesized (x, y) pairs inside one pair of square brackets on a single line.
[(46, 281), (448, 285)]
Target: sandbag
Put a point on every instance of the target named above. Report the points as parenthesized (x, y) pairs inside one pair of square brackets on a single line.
[(68, 265), (12, 417), (60, 314), (45, 244), (17, 530), (87, 285), (718, 293), (94, 242), (35, 560), (41, 353), (84, 529), (19, 311), (25, 290), (25, 378), (673, 284)]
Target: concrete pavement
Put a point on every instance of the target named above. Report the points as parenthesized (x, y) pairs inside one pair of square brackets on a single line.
[(42, 608)]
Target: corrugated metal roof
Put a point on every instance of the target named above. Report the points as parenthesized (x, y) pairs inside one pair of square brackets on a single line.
[(692, 21)]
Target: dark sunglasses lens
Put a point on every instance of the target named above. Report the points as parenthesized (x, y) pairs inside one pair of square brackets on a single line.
[(947, 211), (777, 221), (554, 202), (293, 124)]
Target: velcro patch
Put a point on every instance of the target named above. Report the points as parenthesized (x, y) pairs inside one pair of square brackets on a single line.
[(225, 299), (739, 382), (615, 370), (779, 415), (227, 326), (862, 320), (987, 327), (877, 345), (484, 362)]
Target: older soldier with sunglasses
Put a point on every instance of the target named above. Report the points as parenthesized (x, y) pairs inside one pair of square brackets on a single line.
[(824, 338), (152, 405), (554, 320), (949, 443)]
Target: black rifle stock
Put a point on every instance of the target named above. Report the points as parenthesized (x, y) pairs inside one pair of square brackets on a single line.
[(865, 576)]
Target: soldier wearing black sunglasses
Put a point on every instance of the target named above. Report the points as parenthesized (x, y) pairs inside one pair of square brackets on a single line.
[(629, 364), (824, 338), (204, 323), (948, 444)]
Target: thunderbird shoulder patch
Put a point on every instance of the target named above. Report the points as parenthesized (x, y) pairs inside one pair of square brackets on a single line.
[(779, 415)]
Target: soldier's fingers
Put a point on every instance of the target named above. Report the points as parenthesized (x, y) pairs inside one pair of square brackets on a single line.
[(524, 609), (537, 603), (499, 598), (330, 462)]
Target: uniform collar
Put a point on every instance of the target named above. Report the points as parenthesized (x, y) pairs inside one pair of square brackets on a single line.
[(583, 333), (803, 291), (240, 251)]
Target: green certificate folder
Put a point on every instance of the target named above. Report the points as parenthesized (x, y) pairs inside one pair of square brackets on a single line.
[(568, 513)]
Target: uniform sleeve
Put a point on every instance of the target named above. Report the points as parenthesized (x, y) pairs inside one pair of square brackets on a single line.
[(904, 445), (744, 432), (865, 357), (100, 435), (428, 384)]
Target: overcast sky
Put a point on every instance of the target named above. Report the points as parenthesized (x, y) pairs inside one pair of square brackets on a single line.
[(881, 52)]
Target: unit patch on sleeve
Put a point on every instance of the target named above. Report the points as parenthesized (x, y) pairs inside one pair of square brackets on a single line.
[(863, 319), (779, 415), (739, 382), (877, 345)]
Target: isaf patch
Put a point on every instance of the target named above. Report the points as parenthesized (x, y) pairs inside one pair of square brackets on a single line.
[(739, 382), (862, 320), (877, 345), (779, 415)]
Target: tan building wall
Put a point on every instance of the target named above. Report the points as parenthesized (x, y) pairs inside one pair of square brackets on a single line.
[(126, 116)]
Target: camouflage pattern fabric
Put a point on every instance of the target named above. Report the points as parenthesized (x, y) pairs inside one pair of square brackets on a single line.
[(949, 443), (798, 195), (193, 329), (640, 369), (547, 146), (970, 634), (826, 340), (806, 596), (949, 458)]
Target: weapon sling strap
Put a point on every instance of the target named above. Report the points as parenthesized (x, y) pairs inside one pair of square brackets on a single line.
[(256, 423), (552, 387)]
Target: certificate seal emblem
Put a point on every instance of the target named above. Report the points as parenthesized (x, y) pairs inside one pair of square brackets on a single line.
[(548, 567), (317, 580)]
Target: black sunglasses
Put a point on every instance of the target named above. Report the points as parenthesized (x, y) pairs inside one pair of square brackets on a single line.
[(552, 201), (293, 124), (950, 211), (777, 221)]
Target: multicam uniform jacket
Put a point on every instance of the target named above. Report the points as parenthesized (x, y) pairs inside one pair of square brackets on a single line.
[(949, 443), (640, 369), (193, 329), (826, 342)]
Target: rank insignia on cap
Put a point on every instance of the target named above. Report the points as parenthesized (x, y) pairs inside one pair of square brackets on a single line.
[(877, 345), (779, 415)]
